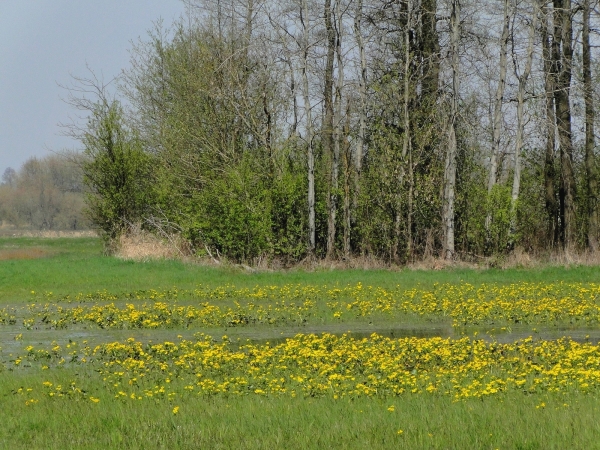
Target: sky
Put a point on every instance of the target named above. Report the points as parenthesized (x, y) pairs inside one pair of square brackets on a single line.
[(43, 43)]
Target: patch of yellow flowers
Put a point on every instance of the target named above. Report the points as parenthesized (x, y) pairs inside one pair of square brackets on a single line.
[(313, 365), (464, 304), (328, 365)]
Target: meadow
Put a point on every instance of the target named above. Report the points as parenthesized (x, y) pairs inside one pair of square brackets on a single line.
[(101, 352)]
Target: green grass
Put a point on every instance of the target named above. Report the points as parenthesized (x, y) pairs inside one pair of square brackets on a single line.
[(77, 265), (427, 422), (506, 421)]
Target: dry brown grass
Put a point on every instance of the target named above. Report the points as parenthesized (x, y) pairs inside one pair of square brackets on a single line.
[(564, 258), (517, 259), (23, 253), (436, 263), (47, 233), (141, 245)]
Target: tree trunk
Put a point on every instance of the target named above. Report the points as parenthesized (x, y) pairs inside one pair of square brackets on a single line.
[(328, 132), (450, 162), (590, 163), (294, 128), (563, 121), (347, 180), (497, 123), (430, 51), (520, 125), (549, 170), (309, 131), (338, 128), (407, 138), (362, 89), (362, 110)]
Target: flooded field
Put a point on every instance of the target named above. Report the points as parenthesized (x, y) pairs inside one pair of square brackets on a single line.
[(14, 338), (274, 313)]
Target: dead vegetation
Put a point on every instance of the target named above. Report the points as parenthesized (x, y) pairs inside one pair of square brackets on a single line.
[(140, 245), (11, 254), (50, 234)]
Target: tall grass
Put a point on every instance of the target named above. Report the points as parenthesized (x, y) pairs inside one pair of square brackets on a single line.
[(515, 421)]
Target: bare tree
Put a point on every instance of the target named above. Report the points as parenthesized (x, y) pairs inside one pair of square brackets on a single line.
[(328, 128), (551, 204), (522, 77), (562, 48), (362, 89), (407, 137), (497, 119), (450, 161), (309, 127), (590, 163), (9, 177)]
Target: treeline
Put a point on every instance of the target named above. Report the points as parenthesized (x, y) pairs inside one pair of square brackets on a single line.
[(334, 128), (44, 194)]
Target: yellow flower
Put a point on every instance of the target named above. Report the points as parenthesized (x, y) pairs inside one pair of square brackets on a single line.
[(391, 408), (400, 431), (176, 410)]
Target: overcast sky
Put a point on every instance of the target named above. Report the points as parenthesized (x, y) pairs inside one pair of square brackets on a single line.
[(42, 42)]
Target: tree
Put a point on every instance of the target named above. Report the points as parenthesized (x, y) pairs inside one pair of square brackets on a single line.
[(590, 160), (9, 177), (117, 172), (497, 119), (45, 194), (264, 120), (551, 203), (522, 77), (450, 163), (562, 54)]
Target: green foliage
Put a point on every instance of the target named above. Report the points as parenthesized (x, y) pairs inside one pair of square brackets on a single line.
[(532, 219), (117, 172), (499, 208), (214, 148), (244, 214), (289, 215), (234, 214)]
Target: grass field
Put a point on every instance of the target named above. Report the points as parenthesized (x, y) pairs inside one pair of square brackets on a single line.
[(98, 352), (71, 265)]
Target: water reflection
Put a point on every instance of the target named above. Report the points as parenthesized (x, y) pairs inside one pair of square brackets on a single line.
[(14, 339)]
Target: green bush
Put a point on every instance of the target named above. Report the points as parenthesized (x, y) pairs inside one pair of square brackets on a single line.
[(117, 172)]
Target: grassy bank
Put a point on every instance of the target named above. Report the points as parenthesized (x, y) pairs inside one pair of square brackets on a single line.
[(71, 265), (408, 422)]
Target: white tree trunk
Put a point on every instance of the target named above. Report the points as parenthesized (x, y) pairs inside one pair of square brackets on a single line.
[(407, 141), (362, 88), (309, 130), (520, 125), (337, 118), (450, 162), (497, 124)]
